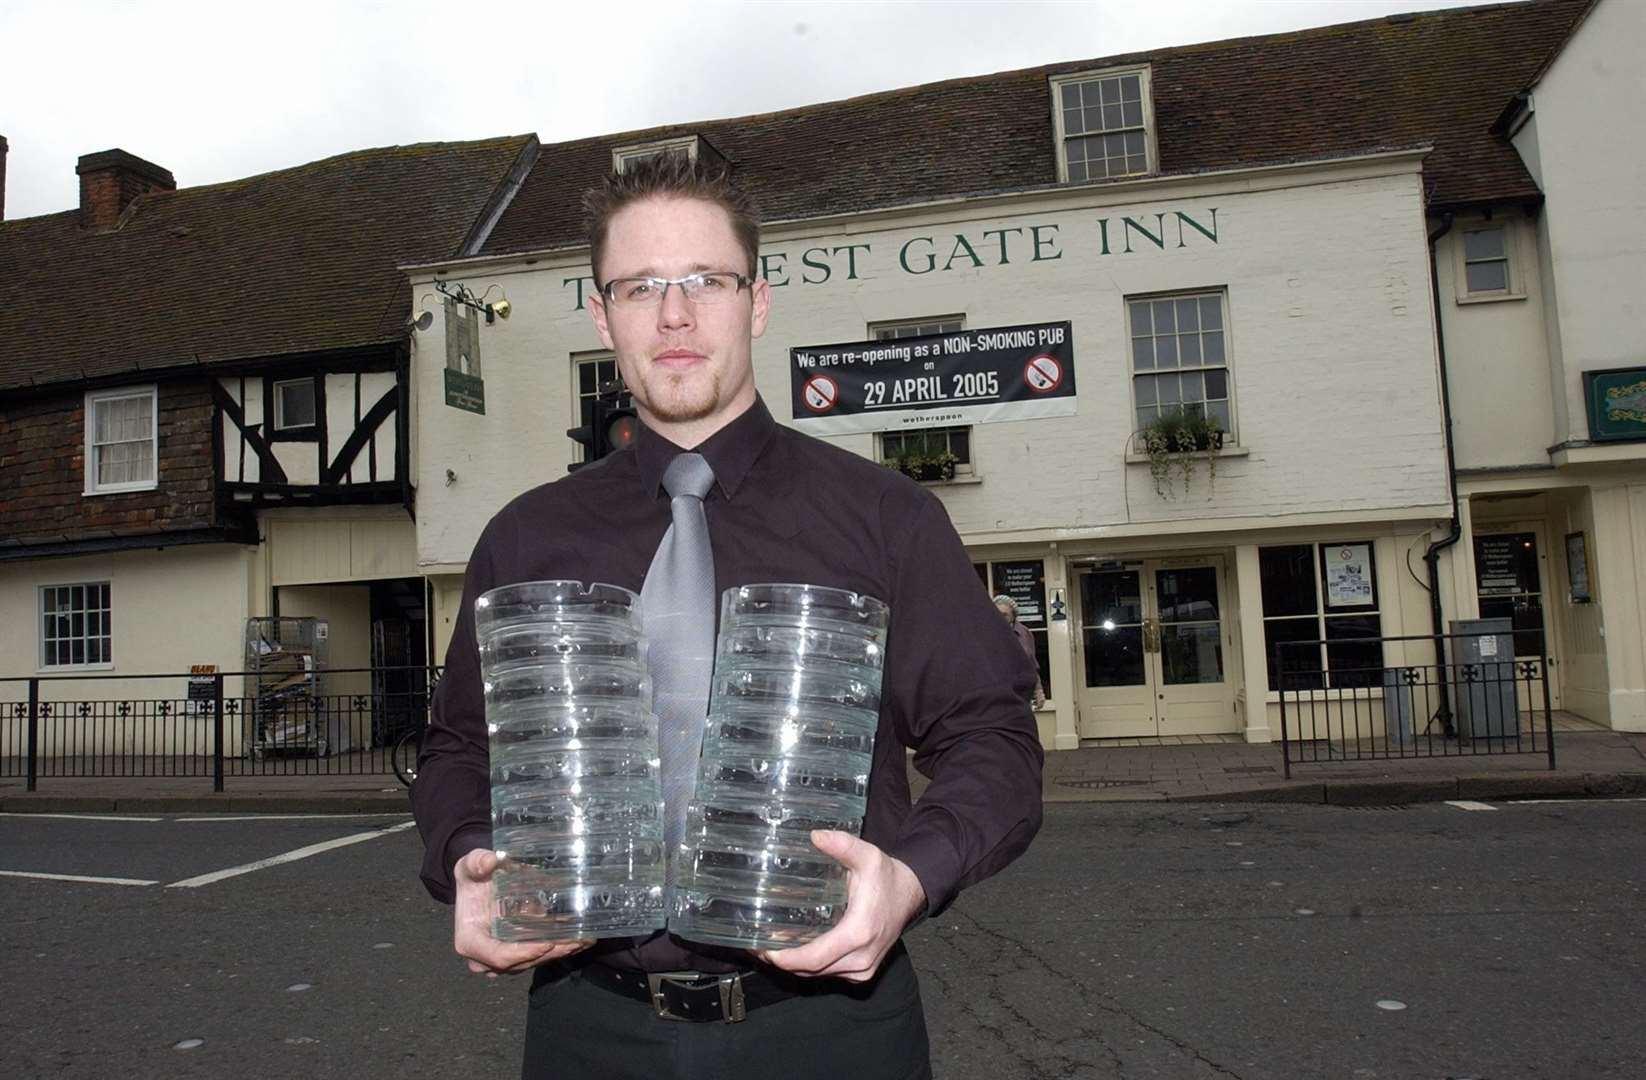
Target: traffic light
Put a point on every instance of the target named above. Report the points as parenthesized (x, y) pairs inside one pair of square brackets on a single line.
[(612, 425)]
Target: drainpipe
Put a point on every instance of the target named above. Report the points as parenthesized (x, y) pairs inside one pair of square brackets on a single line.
[(1431, 557)]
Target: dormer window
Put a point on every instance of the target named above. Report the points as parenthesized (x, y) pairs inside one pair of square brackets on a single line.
[(1105, 124), (695, 147)]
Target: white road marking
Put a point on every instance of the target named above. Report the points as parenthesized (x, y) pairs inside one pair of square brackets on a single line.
[(87, 817), (290, 856), (77, 877), (1469, 804), (290, 817), (1547, 802)]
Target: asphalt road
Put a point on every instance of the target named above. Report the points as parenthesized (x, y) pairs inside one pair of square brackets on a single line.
[(1133, 941)]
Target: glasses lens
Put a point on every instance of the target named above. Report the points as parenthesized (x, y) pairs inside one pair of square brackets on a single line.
[(709, 288)]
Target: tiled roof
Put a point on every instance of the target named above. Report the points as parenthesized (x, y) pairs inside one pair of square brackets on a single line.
[(1437, 78), (297, 261)]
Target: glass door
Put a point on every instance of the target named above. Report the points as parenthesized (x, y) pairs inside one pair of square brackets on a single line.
[(1118, 697)]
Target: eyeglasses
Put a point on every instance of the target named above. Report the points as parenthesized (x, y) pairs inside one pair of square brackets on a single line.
[(710, 288)]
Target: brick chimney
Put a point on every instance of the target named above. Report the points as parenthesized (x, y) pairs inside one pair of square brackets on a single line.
[(109, 181), (3, 149)]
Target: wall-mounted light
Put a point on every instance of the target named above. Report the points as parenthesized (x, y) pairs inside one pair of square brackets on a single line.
[(422, 322), (464, 295)]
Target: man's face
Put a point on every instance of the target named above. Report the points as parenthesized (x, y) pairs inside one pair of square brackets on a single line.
[(689, 366)]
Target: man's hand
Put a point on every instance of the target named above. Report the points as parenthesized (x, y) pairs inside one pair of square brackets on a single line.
[(472, 918), (882, 896)]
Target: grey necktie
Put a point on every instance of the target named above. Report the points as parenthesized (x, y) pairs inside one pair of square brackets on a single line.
[(677, 604)]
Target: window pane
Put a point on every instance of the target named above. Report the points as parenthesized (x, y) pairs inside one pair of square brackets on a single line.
[(297, 407), (1355, 664), (1131, 88), (1112, 596), (585, 378), (1088, 94), (1111, 117), (1111, 90), (960, 444), (1188, 315), (1217, 385), (1302, 663), (1288, 579), (1191, 654), (1211, 313), (1140, 318), (1488, 277), (1146, 415), (1193, 388), (1074, 122), (1143, 353), (1219, 411), (1211, 348), (1165, 352), (1132, 115), (1485, 244), (1165, 316), (1189, 347), (1145, 390), (1071, 95), (1167, 387)]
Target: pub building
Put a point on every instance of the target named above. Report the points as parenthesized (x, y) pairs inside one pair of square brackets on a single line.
[(1011, 285)]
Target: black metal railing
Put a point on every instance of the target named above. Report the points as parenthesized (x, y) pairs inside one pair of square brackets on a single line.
[(225, 724), (1476, 698)]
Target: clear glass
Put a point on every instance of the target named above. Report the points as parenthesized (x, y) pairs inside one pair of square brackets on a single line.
[(577, 806), (787, 749)]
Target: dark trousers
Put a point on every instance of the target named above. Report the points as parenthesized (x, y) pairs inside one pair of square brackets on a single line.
[(875, 1031)]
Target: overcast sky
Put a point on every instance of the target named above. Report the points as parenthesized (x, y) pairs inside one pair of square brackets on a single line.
[(219, 90)]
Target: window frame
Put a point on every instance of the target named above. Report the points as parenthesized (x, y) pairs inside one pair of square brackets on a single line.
[(581, 360), (43, 661), (622, 155), (1231, 437), (1322, 611), (925, 326), (94, 398), (1513, 274), (296, 432), (1151, 147)]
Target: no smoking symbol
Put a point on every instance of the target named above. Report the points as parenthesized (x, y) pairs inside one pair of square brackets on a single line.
[(1043, 373), (820, 393)]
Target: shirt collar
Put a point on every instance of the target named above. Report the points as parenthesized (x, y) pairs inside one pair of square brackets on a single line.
[(731, 452)]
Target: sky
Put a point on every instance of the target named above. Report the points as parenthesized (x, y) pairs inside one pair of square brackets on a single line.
[(226, 89)]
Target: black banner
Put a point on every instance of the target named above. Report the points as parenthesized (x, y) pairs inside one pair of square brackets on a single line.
[(967, 377)]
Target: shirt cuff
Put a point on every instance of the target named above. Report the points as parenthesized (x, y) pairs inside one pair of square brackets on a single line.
[(935, 863), (462, 842)]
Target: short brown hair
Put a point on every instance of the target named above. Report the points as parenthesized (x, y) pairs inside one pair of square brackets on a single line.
[(669, 175)]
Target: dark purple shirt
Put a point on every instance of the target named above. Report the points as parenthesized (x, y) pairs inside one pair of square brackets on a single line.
[(785, 508)]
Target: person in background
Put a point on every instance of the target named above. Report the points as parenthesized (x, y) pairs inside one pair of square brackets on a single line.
[(1008, 610)]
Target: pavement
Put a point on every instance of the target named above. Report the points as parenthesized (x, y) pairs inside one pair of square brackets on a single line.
[(1590, 764)]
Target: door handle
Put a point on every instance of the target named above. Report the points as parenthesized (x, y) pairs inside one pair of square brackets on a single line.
[(1151, 636)]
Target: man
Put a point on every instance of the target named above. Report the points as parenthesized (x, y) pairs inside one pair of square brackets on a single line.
[(674, 253)]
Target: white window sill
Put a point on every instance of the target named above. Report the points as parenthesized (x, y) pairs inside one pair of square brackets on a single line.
[(70, 669), (1490, 297), (121, 489), (1225, 452), (956, 482)]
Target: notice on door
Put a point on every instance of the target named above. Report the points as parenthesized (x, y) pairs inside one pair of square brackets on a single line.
[(1025, 584), (966, 377), (1348, 575)]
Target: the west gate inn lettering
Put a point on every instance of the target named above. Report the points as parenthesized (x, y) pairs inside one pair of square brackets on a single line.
[(1166, 230)]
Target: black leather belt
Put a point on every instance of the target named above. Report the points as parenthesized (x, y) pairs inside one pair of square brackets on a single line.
[(691, 995)]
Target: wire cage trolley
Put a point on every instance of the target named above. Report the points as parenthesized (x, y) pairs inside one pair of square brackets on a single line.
[(285, 671)]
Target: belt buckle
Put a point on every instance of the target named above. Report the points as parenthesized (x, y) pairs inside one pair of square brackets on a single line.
[(729, 988)]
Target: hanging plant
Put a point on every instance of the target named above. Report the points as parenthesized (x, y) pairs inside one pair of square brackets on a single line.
[(1174, 442)]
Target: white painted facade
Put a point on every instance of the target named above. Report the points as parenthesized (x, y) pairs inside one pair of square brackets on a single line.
[(1338, 431)]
